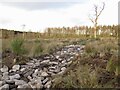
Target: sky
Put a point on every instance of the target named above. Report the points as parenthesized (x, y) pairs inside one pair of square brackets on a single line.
[(37, 15)]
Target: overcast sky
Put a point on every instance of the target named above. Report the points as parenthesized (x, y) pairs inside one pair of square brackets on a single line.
[(39, 15)]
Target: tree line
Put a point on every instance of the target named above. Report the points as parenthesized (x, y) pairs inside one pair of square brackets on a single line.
[(88, 31)]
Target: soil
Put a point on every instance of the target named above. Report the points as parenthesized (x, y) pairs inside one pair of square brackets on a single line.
[(9, 58)]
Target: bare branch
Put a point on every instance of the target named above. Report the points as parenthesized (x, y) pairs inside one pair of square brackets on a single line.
[(91, 19), (101, 10), (96, 10)]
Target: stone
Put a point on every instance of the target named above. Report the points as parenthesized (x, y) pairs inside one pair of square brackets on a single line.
[(28, 72), (56, 63), (4, 69), (10, 82), (71, 57), (35, 84), (24, 86), (30, 63), (5, 87), (68, 59), (69, 62), (45, 61), (5, 76), (44, 74), (2, 83), (48, 84), (60, 59), (52, 67), (22, 69), (63, 68), (57, 57), (45, 80), (63, 61), (61, 72), (16, 76), (12, 86), (36, 71), (0, 76), (20, 82), (29, 77), (15, 68)]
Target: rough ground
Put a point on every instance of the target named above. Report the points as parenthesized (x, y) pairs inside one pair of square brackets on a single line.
[(38, 71)]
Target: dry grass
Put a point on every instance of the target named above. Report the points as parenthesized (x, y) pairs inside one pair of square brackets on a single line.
[(89, 70)]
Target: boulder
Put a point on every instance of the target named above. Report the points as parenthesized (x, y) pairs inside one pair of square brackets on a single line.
[(20, 82), (63, 68), (15, 68), (16, 76), (24, 86), (5, 76), (5, 87), (2, 83), (22, 69), (45, 61), (45, 80), (4, 69), (48, 84), (10, 82), (44, 74), (56, 63)]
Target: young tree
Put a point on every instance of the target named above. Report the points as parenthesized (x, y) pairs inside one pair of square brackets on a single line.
[(94, 20)]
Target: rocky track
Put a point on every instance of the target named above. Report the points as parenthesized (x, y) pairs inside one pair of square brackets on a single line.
[(37, 72)]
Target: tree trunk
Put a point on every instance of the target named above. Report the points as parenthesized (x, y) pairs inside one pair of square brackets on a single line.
[(95, 30)]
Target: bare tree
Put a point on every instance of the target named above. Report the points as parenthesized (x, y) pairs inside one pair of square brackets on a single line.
[(94, 20), (23, 27)]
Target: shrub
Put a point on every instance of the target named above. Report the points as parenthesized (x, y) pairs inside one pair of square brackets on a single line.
[(17, 46), (113, 65), (38, 50)]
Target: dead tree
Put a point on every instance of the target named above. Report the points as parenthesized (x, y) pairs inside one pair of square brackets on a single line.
[(23, 27), (94, 20)]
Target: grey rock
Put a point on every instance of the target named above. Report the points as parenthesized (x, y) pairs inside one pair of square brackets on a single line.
[(0, 76), (5, 76), (35, 84), (2, 83), (16, 76), (63, 61), (63, 68), (4, 69), (4, 87), (53, 63), (52, 67), (61, 72), (10, 82), (45, 80), (30, 63), (15, 68), (48, 84), (20, 82), (24, 86), (44, 74), (69, 62), (22, 69), (57, 57), (45, 61), (29, 77), (28, 72)]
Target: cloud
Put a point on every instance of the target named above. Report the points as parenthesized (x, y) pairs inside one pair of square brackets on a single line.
[(39, 5), (65, 14)]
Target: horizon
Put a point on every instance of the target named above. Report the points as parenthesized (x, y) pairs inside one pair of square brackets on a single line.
[(37, 16)]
